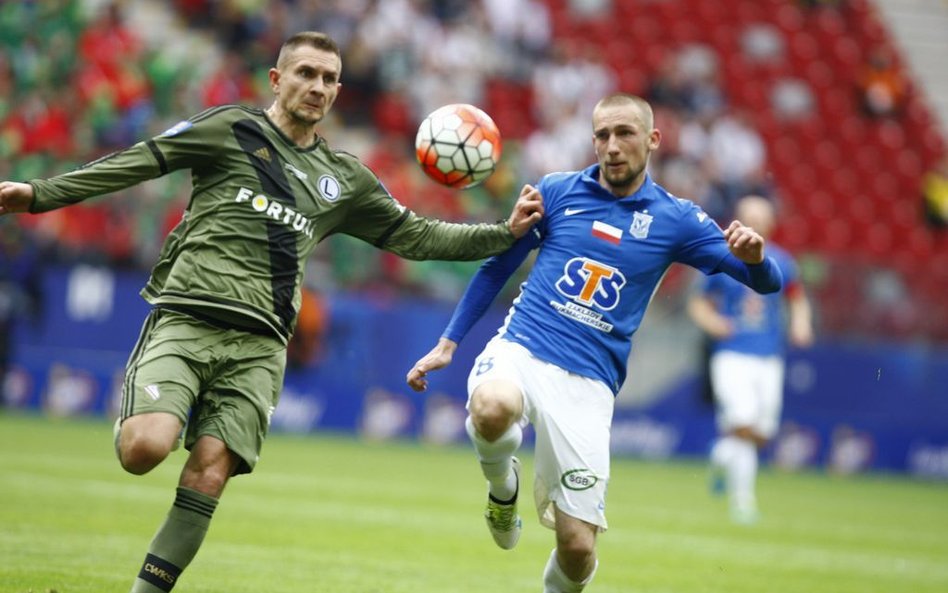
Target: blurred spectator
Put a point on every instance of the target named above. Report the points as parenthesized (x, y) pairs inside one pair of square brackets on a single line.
[(566, 87), (558, 82), (229, 83), (668, 87), (882, 89), (684, 178), (688, 82), (590, 9), (792, 99), (561, 143), (36, 125), (106, 40), (110, 81), (523, 30), (935, 193), (361, 84), (457, 58), (736, 158), (340, 19), (763, 43)]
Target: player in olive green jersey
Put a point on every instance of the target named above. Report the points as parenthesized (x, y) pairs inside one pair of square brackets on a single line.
[(226, 288)]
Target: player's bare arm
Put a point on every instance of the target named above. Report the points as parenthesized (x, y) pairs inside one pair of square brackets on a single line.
[(706, 316), (800, 330), (526, 212), (439, 357), (15, 197), (745, 243)]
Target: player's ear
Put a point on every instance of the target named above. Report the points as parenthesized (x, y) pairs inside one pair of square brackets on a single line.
[(654, 139), (274, 76)]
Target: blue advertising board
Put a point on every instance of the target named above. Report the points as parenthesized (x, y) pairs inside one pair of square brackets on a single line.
[(848, 407)]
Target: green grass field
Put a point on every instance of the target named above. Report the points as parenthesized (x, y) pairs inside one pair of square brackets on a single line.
[(331, 514)]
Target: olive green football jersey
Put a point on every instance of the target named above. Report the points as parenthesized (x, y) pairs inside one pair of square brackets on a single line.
[(259, 206)]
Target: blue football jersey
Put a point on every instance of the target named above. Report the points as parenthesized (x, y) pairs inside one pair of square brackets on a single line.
[(757, 319), (600, 261)]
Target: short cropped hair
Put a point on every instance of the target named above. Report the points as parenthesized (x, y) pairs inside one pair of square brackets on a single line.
[(617, 99), (310, 38)]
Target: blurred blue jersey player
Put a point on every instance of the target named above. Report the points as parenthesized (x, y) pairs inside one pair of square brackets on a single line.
[(747, 359), (607, 238)]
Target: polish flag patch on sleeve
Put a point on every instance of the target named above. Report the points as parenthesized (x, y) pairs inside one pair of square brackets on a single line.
[(606, 232)]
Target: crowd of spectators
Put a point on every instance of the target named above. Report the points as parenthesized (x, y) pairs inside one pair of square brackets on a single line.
[(78, 85)]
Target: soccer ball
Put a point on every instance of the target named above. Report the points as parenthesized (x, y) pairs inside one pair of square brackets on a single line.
[(458, 145)]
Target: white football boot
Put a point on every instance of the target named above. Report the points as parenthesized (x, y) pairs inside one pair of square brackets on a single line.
[(503, 521)]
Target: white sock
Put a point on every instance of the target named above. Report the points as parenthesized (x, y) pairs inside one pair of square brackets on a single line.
[(496, 459), (743, 475), (556, 581), (722, 451)]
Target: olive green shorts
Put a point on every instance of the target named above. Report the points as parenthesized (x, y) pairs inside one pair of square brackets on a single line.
[(221, 382)]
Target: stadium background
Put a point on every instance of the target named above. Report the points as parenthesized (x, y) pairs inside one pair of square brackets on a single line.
[(826, 107)]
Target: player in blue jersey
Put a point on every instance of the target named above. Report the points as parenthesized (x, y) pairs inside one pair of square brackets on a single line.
[(746, 364), (608, 237)]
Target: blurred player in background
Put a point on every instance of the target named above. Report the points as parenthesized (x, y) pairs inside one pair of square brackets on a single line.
[(746, 365), (608, 236), (226, 288)]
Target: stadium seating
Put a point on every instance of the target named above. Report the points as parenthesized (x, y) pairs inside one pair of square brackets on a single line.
[(849, 182)]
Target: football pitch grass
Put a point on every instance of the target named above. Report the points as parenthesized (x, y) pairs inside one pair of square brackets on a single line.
[(333, 514)]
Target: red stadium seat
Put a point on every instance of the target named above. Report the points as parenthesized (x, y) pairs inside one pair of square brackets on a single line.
[(861, 208), (890, 135), (822, 205), (633, 80), (820, 76), (836, 103), (794, 232), (847, 57), (909, 168), (789, 18), (804, 49), (828, 155), (837, 236), (844, 182), (853, 132), (921, 244), (868, 159), (880, 239)]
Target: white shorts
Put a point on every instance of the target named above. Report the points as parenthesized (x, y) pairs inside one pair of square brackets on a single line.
[(748, 391), (572, 417)]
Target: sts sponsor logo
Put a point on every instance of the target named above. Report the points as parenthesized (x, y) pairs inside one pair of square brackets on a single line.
[(588, 283)]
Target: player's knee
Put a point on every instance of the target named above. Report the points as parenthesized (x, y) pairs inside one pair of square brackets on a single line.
[(493, 410), (210, 481), (209, 467), (139, 454), (748, 433), (578, 557)]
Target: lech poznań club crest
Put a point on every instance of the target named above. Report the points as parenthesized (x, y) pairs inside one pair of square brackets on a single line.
[(640, 223)]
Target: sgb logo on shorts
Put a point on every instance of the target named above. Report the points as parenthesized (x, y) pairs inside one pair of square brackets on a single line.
[(589, 282), (579, 479)]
